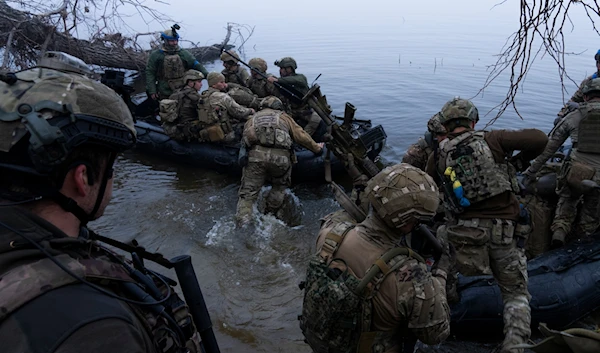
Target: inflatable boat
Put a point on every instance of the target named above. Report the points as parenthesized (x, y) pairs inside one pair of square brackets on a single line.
[(224, 158), (564, 285)]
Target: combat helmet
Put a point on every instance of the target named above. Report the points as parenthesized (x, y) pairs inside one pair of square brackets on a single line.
[(63, 62), (271, 102), (44, 117), (597, 56), (171, 33), (286, 62), (259, 64), (226, 56), (401, 193), (591, 86), (435, 126), (193, 75), (458, 108)]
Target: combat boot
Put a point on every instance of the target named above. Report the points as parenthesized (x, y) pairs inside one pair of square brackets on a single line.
[(558, 238)]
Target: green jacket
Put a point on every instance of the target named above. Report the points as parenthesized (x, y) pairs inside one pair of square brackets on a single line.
[(154, 70), (296, 81)]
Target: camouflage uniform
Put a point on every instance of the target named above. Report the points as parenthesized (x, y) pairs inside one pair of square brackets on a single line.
[(185, 127), (239, 76), (45, 308), (158, 76), (222, 112), (418, 153), (405, 301), (258, 84), (580, 165), (268, 137), (484, 233)]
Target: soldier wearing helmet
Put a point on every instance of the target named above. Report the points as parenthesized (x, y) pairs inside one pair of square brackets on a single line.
[(233, 72), (486, 209), (257, 83), (577, 97), (581, 126), (219, 114), (418, 153), (181, 120), (61, 289), (302, 113), (167, 65), (268, 138), (390, 307)]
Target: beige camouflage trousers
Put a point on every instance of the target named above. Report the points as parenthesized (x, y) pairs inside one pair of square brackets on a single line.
[(566, 209), (480, 243), (312, 120), (264, 165)]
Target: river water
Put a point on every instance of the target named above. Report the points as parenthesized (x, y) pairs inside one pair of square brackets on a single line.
[(398, 64)]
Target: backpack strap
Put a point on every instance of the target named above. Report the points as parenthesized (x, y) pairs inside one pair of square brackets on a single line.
[(334, 239), (386, 264)]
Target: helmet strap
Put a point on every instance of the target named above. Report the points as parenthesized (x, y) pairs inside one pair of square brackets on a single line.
[(103, 183)]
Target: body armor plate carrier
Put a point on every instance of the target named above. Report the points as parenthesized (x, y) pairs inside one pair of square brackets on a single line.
[(469, 156), (589, 128), (173, 70), (337, 308), (268, 130)]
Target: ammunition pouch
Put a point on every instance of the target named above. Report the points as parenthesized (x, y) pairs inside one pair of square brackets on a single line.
[(575, 173), (213, 133)]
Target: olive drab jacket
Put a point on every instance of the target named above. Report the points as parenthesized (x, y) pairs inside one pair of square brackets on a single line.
[(240, 76), (409, 301), (156, 82), (46, 309)]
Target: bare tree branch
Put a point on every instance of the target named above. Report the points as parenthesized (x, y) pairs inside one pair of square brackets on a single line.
[(541, 33)]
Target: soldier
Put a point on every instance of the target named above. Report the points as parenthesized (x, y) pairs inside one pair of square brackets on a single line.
[(167, 65), (268, 138), (233, 72), (290, 79), (61, 290), (257, 83), (483, 230), (219, 113), (418, 153), (182, 122), (577, 97), (364, 293), (582, 163)]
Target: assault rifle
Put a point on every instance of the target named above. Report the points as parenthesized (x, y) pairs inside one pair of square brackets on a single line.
[(187, 281)]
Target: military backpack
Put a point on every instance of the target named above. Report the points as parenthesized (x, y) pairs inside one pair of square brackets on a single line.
[(337, 307)]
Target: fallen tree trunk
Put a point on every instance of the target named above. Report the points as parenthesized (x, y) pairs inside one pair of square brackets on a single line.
[(31, 34)]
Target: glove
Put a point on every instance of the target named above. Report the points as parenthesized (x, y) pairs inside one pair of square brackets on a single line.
[(447, 260), (572, 106)]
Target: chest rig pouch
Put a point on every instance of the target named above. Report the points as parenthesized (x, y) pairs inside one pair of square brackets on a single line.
[(173, 70), (268, 130), (469, 158), (588, 135), (207, 115), (337, 308)]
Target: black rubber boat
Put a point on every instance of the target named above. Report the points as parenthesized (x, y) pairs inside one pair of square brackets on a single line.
[(224, 158), (564, 285)]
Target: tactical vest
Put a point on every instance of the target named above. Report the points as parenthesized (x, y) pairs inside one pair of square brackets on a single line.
[(234, 77), (27, 282), (337, 308), (470, 157), (259, 87), (268, 130), (243, 96), (173, 70), (588, 136), (187, 104)]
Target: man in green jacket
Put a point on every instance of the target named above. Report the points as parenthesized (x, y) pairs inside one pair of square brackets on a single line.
[(290, 79), (167, 65)]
